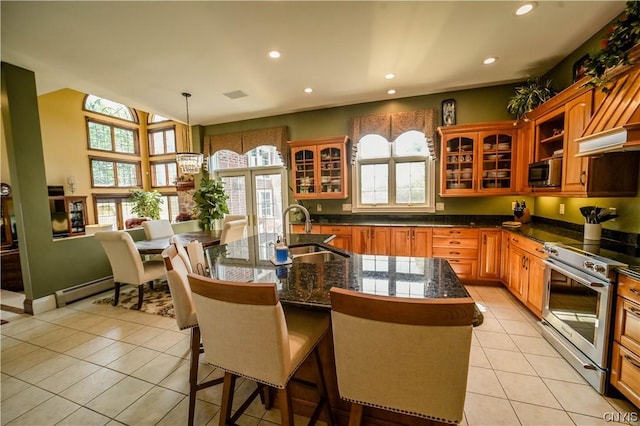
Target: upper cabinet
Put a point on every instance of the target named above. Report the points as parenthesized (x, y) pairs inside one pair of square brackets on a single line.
[(319, 168), (477, 159)]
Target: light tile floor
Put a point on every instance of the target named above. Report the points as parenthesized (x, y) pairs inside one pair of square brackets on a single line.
[(95, 364)]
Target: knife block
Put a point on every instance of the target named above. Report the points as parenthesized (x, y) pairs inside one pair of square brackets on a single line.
[(525, 218)]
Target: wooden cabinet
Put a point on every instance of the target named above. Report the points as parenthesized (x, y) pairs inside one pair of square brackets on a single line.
[(6, 221), (477, 159), (524, 156), (68, 215), (371, 239), (526, 272), (490, 254), (342, 233), (625, 362), (505, 248), (460, 247), (319, 168), (411, 241)]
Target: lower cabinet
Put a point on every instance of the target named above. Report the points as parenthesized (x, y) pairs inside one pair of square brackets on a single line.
[(371, 239), (526, 272), (490, 254), (625, 359), (411, 241), (342, 233), (460, 247)]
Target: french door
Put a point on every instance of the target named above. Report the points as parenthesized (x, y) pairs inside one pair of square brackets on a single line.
[(261, 195)]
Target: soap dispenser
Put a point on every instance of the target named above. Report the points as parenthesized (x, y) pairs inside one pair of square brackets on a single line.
[(282, 251)]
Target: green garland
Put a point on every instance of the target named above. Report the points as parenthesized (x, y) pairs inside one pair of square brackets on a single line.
[(615, 49)]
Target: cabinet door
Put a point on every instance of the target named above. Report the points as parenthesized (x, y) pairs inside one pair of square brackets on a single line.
[(421, 242), (380, 240), (504, 259), (490, 249), (342, 242), (535, 287), (401, 241), (332, 171), (360, 239), (517, 276), (458, 159), (496, 161), (304, 176), (575, 170), (76, 211), (524, 155)]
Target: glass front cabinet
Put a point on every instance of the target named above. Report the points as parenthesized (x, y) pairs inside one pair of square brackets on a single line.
[(319, 168), (477, 159)]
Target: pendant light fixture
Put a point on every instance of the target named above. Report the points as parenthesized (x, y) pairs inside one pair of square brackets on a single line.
[(189, 162)]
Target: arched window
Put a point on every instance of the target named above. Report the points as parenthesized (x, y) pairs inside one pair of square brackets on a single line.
[(112, 109), (155, 118), (394, 175), (262, 156)]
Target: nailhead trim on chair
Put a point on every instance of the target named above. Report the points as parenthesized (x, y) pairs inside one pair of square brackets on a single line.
[(366, 404)]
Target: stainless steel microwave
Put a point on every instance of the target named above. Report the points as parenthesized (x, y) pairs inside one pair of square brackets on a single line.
[(546, 174)]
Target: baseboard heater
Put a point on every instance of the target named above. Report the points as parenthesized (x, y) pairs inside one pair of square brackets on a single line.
[(81, 291)]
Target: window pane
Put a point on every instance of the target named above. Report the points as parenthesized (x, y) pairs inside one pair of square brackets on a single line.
[(107, 213), (170, 137), (107, 107), (172, 173), (373, 146), (169, 207), (127, 175), (157, 143), (159, 174), (374, 186), (103, 174), (124, 140), (155, 118), (265, 155), (410, 183), (226, 159), (411, 143), (99, 136), (127, 206)]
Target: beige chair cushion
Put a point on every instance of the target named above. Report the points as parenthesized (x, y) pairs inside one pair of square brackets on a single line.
[(419, 370), (233, 230), (157, 229)]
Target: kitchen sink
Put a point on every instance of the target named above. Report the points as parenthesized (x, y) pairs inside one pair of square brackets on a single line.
[(318, 257), (309, 248)]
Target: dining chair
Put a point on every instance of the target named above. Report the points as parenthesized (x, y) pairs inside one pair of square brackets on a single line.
[(177, 269), (127, 264), (233, 230), (404, 355), (230, 217), (247, 333), (157, 229)]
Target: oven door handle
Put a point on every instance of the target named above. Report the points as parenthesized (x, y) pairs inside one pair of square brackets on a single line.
[(578, 276)]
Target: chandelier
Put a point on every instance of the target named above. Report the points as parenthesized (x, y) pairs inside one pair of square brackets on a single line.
[(189, 162)]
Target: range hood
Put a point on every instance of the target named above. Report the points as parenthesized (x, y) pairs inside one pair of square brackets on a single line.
[(615, 126)]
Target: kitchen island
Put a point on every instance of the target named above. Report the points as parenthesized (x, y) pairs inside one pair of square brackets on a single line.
[(306, 284)]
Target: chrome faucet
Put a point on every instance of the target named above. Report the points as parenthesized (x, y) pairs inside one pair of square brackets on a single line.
[(307, 219)]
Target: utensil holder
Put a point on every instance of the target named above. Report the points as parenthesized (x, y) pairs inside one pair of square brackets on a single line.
[(592, 231)]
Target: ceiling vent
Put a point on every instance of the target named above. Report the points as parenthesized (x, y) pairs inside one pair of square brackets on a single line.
[(235, 94)]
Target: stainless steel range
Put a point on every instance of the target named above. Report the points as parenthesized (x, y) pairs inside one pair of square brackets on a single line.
[(576, 314)]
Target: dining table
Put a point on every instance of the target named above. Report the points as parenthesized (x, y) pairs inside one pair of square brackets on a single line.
[(157, 245)]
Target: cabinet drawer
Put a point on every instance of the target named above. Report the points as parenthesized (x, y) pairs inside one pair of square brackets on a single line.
[(299, 229), (335, 229), (462, 243), (455, 253), (627, 328), (625, 372), (455, 232), (465, 269), (629, 288), (528, 245)]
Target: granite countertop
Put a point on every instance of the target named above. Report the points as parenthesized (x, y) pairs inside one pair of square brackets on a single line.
[(308, 284)]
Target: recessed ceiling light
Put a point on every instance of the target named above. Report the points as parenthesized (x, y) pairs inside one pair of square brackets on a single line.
[(389, 76), (391, 91), (490, 60), (274, 54), (308, 90), (526, 8)]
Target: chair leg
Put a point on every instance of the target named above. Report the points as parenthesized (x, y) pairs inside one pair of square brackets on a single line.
[(151, 283), (193, 372), (286, 410), (117, 295), (140, 295), (228, 387), (322, 387), (355, 416)]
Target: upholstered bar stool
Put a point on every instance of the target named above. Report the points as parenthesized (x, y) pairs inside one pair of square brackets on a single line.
[(246, 332), (177, 269), (410, 356), (126, 263)]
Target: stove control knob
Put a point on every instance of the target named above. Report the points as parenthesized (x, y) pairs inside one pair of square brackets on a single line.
[(588, 264), (550, 250), (599, 268)]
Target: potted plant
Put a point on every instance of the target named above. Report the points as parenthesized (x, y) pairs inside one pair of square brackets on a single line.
[(146, 203), (211, 202), (530, 95), (624, 35)]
